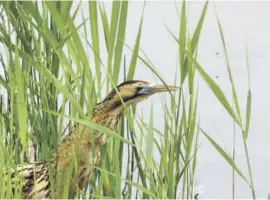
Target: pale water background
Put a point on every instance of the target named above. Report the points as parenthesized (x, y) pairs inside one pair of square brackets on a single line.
[(242, 22)]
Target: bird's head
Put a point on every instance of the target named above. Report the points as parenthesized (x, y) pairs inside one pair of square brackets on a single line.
[(131, 92), (128, 93)]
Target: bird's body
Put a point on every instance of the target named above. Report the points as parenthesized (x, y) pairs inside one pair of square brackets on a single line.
[(80, 152)]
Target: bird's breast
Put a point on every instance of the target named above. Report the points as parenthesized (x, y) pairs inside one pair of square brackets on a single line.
[(111, 122)]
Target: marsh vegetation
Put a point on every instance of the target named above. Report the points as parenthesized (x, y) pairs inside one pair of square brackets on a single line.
[(55, 68)]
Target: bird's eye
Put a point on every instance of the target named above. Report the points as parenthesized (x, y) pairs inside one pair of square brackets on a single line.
[(143, 90), (139, 88)]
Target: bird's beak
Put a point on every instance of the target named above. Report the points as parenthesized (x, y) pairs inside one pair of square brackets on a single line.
[(153, 89), (163, 88)]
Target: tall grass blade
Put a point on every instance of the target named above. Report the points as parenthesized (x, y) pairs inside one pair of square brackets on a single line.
[(225, 156), (95, 38), (21, 102), (248, 111), (112, 36), (182, 40), (194, 42), (120, 40), (248, 104), (105, 25), (149, 141), (135, 51), (215, 89), (235, 98)]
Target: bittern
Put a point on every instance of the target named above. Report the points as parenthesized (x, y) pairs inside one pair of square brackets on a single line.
[(80, 144)]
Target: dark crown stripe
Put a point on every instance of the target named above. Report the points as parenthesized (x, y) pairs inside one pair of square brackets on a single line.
[(130, 82)]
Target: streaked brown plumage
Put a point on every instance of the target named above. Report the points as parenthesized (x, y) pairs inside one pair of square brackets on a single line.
[(80, 143)]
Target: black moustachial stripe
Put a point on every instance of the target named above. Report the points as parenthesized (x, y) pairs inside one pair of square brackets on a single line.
[(126, 99)]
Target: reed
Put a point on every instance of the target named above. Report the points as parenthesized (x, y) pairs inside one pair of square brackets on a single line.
[(59, 61)]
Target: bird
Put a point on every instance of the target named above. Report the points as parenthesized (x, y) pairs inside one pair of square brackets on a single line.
[(82, 146)]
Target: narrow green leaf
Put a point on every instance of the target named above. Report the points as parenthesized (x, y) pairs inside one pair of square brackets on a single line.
[(248, 111), (149, 141), (196, 36), (235, 98), (62, 89), (171, 33), (248, 104), (112, 36), (182, 36), (120, 40), (133, 62), (225, 156), (194, 42), (105, 24), (95, 38), (21, 101), (215, 89)]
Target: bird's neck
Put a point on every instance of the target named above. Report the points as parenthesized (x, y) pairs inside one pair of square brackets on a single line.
[(103, 115), (108, 117), (105, 112)]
